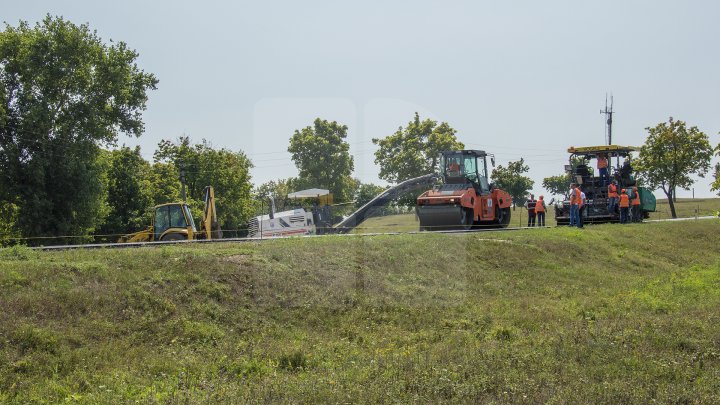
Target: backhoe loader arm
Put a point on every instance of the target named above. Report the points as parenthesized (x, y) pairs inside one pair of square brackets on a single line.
[(209, 222)]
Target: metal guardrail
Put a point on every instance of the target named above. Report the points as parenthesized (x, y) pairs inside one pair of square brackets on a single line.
[(257, 239)]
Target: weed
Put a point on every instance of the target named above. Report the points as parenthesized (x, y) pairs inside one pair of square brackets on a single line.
[(294, 361), (18, 252)]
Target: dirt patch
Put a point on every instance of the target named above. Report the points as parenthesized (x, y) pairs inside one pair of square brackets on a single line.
[(237, 259)]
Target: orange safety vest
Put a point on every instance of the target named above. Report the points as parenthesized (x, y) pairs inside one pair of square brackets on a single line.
[(539, 207), (602, 163), (612, 191), (624, 201), (575, 196), (636, 200)]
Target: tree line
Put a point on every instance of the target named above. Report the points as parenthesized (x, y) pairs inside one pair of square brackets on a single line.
[(66, 96)]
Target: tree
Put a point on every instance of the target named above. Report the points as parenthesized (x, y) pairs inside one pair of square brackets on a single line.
[(670, 155), (322, 157), (557, 185), (8, 217), (165, 183), (512, 181), (129, 191), (414, 150), (227, 171), (63, 94), (278, 190), (366, 192), (716, 183)]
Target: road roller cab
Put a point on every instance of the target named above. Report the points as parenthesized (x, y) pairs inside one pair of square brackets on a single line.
[(465, 199)]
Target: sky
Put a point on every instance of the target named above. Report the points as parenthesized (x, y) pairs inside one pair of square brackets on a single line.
[(514, 78)]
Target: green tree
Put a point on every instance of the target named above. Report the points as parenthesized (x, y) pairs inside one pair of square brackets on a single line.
[(670, 155), (366, 192), (63, 94), (278, 190), (8, 218), (511, 180), (129, 191), (227, 171), (165, 183), (414, 150), (322, 156), (716, 183), (557, 185)]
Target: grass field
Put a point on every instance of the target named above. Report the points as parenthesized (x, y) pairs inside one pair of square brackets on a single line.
[(685, 208), (608, 314)]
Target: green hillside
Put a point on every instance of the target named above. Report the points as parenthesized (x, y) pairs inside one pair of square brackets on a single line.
[(611, 314)]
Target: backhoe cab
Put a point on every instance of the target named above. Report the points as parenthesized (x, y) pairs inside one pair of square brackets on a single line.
[(174, 221)]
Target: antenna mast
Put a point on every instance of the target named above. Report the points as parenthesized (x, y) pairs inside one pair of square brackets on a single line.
[(608, 114)]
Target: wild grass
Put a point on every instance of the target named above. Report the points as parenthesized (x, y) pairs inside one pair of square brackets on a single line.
[(605, 314)]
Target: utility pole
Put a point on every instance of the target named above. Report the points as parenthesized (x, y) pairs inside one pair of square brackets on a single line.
[(608, 115), (608, 125)]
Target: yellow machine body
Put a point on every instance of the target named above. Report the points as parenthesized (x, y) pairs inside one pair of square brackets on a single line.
[(174, 221)]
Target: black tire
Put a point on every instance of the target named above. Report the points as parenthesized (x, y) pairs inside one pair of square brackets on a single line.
[(502, 217), (173, 237), (466, 219)]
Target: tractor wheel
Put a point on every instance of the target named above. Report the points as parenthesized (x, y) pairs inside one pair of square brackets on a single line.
[(466, 219), (502, 216), (173, 236)]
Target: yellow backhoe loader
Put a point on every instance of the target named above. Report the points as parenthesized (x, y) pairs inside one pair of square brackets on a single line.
[(174, 221)]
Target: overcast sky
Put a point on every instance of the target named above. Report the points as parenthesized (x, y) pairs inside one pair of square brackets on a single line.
[(515, 78)]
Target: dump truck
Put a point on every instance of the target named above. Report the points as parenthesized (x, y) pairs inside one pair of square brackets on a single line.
[(174, 221), (596, 188), (465, 199)]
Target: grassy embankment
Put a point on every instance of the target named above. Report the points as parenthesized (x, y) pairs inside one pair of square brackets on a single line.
[(685, 208), (606, 314)]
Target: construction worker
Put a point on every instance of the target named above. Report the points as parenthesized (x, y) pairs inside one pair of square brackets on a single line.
[(530, 205), (574, 204), (453, 167), (581, 209), (540, 211), (602, 164), (635, 202), (612, 197), (624, 206)]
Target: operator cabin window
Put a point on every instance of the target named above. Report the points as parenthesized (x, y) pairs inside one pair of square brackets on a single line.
[(169, 216), (469, 169)]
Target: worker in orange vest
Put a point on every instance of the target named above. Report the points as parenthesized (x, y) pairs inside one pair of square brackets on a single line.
[(453, 168), (636, 206), (540, 211), (624, 206), (575, 200), (612, 197), (602, 164)]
